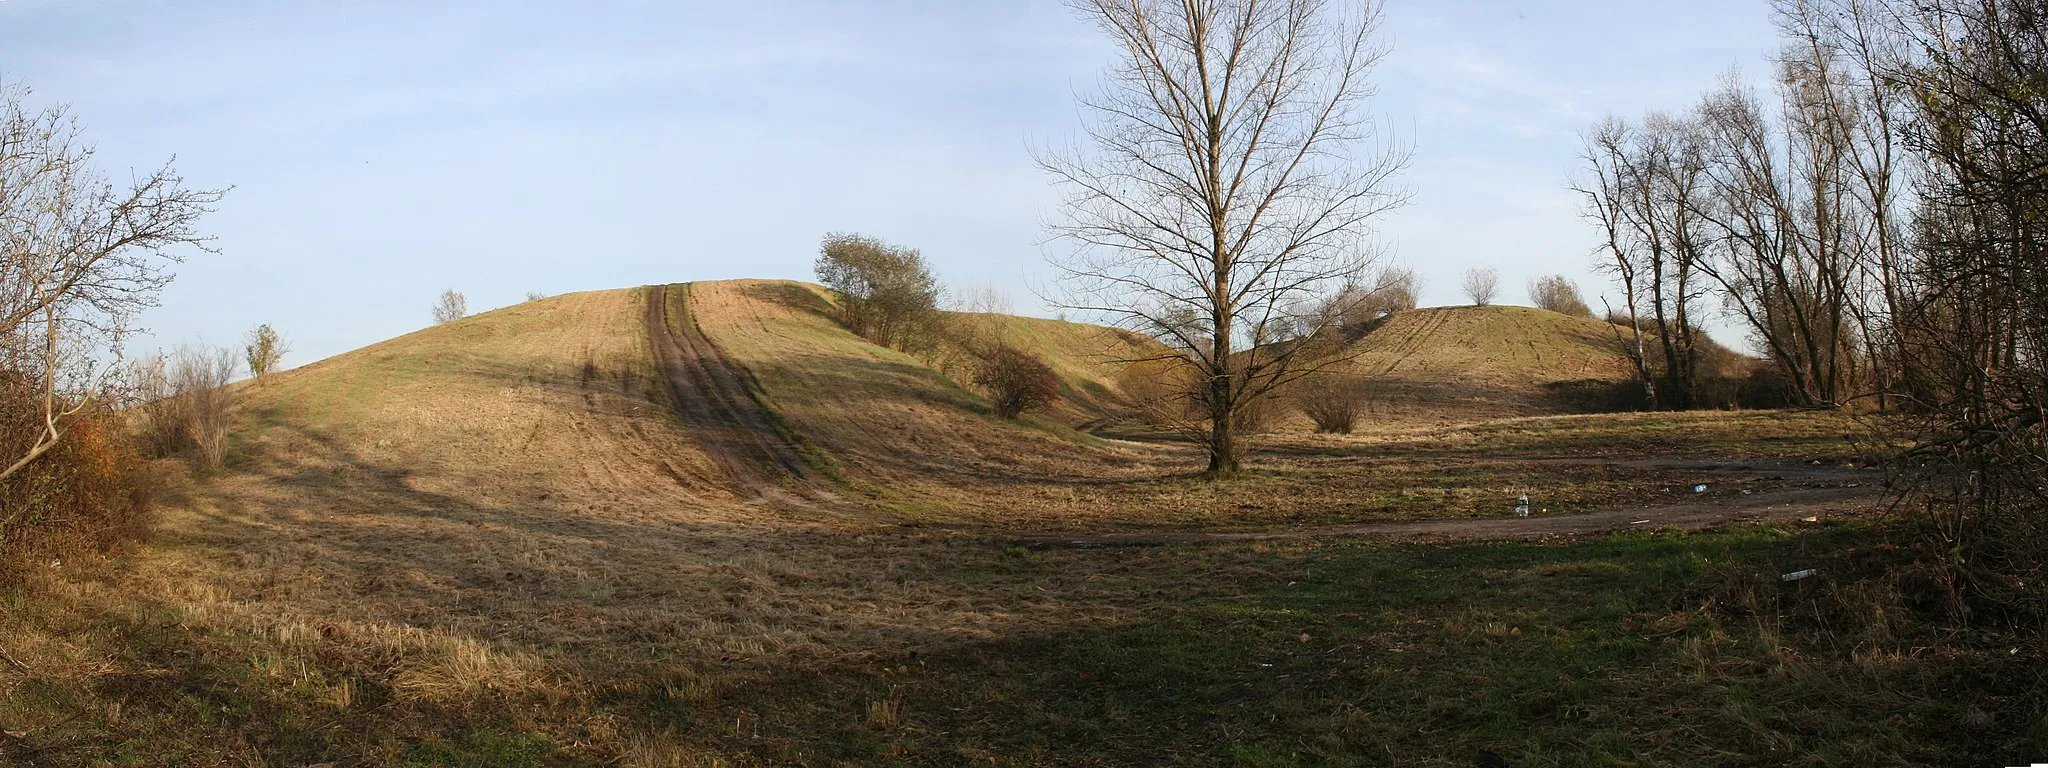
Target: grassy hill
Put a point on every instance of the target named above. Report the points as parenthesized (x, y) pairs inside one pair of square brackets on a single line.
[(1472, 363)]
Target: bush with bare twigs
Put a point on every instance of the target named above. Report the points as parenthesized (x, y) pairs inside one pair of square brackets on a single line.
[(1481, 285), (1333, 402), (1017, 381), (184, 401), (1559, 294), (201, 374)]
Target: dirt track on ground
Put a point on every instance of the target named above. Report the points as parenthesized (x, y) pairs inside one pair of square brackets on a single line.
[(1810, 491), (712, 399)]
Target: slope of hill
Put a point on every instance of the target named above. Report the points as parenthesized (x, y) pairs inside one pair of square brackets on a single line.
[(888, 420), (1473, 363), (556, 399)]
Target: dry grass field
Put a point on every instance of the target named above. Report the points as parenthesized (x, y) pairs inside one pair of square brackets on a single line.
[(491, 543)]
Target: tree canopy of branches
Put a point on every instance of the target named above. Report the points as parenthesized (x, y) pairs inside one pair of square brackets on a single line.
[(452, 306), (887, 293), (1228, 187), (1559, 294), (1481, 285), (79, 257)]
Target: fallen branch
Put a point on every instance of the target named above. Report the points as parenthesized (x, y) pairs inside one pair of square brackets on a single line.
[(16, 662)]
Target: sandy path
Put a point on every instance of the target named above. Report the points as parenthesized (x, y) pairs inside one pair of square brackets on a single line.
[(710, 397), (1811, 492)]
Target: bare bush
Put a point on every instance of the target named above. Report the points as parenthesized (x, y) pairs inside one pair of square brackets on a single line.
[(1394, 290), (887, 294), (1333, 402), (452, 306), (1559, 294), (159, 413), (1017, 381), (199, 379), (264, 348), (1481, 285)]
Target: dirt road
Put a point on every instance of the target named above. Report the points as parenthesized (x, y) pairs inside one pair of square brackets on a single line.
[(712, 399), (1810, 492)]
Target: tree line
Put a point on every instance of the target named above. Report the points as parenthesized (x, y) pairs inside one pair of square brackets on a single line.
[(1876, 223)]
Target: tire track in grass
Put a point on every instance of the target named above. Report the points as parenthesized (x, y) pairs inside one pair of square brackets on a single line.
[(712, 400)]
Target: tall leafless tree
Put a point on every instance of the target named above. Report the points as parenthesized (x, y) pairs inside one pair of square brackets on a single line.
[(79, 258), (1647, 184), (1229, 184)]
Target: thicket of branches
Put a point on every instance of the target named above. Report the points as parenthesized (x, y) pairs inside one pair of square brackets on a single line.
[(1880, 226)]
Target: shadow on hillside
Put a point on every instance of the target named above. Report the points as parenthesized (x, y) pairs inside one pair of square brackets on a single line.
[(791, 295)]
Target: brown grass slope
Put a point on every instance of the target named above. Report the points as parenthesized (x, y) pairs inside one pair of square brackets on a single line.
[(896, 427), (1476, 363)]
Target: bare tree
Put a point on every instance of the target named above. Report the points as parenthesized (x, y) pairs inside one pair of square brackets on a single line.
[(79, 258), (1649, 184), (1481, 285), (451, 307), (1606, 155), (264, 348), (1230, 183)]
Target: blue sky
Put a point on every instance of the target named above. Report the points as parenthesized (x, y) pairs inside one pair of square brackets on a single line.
[(382, 151)]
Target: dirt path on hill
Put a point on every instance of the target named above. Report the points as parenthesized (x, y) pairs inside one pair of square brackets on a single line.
[(1809, 491), (712, 399)]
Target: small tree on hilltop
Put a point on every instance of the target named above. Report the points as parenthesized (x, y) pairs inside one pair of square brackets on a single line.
[(1558, 294), (887, 294), (264, 348), (452, 307), (1017, 381), (1482, 285)]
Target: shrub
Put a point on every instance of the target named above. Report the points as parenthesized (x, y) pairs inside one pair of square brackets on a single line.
[(886, 293), (265, 349), (1559, 294), (1481, 285), (89, 494), (1017, 381), (200, 377), (184, 401), (1332, 401), (158, 412)]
